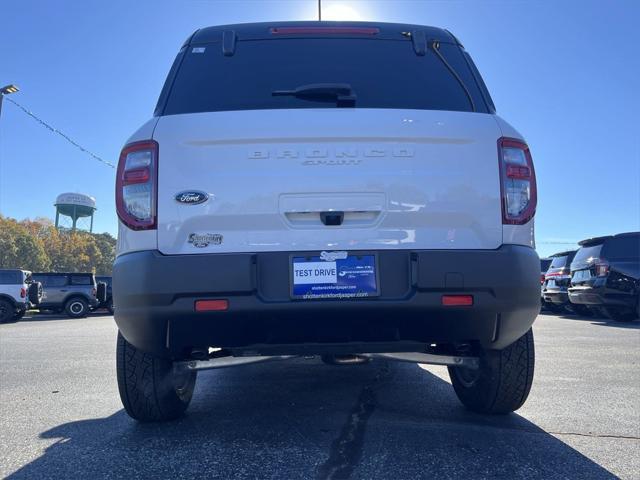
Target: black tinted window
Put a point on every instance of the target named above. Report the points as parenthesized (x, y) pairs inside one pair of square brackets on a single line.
[(622, 247), (81, 280), (57, 281), (562, 261), (51, 280), (10, 278), (382, 73), (587, 254), (544, 264), (558, 262)]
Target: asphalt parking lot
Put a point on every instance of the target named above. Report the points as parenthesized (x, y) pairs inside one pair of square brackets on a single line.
[(62, 417)]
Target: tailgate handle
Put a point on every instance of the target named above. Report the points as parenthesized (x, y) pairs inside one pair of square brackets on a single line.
[(332, 218)]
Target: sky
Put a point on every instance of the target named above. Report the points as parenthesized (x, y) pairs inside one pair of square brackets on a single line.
[(565, 74)]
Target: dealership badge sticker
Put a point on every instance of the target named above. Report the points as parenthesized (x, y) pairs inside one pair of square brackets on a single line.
[(202, 240), (191, 197)]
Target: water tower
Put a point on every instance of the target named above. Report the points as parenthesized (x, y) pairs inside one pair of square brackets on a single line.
[(75, 209)]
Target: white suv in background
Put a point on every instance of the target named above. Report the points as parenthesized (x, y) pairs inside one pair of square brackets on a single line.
[(325, 188), (18, 293)]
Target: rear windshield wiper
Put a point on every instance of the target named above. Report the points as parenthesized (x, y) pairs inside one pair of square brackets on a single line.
[(342, 93), (435, 46)]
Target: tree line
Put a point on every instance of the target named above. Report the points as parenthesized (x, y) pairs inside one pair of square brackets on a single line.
[(37, 246)]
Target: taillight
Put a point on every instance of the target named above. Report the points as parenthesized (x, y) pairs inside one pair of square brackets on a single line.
[(517, 182), (602, 269), (23, 292), (94, 292), (137, 185)]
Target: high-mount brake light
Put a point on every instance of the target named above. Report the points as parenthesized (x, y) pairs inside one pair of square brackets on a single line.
[(324, 31), (517, 181), (136, 185)]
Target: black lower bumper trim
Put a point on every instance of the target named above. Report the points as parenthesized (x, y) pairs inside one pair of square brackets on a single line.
[(155, 297), (601, 296)]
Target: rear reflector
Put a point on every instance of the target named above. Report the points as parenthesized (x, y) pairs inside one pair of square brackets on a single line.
[(324, 31), (211, 305), (457, 300)]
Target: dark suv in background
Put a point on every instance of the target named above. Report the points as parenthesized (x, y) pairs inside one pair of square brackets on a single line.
[(76, 294), (556, 282), (544, 266), (108, 301), (606, 273)]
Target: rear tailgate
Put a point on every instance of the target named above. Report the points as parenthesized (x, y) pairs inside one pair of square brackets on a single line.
[(405, 179)]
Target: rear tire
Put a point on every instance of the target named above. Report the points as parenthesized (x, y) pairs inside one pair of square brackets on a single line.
[(503, 381), (6, 311), (76, 307), (149, 389)]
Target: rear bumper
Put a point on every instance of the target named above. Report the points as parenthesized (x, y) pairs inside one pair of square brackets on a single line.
[(601, 296), (155, 295), (558, 296)]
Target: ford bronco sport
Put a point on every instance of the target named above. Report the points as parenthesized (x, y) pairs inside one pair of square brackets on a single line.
[(324, 188)]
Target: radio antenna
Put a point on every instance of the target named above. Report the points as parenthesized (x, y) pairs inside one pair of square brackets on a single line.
[(320, 10)]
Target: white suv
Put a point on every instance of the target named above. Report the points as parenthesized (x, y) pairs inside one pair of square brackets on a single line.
[(18, 293), (331, 189)]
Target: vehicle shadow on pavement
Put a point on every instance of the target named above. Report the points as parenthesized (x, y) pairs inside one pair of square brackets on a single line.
[(44, 317), (304, 419), (602, 322)]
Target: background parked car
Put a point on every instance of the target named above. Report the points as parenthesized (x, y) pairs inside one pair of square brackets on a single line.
[(73, 293), (544, 266), (606, 273), (18, 293), (108, 302), (557, 279)]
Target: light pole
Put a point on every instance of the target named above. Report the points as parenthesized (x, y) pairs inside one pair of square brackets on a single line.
[(6, 90)]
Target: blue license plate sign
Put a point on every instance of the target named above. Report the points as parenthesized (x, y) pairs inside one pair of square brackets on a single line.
[(334, 275)]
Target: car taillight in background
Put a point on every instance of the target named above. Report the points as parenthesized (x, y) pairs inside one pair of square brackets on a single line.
[(23, 292), (136, 185), (517, 182), (602, 269)]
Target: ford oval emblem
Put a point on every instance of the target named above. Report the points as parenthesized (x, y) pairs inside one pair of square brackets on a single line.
[(191, 197)]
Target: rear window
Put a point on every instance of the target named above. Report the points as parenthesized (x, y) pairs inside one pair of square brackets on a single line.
[(587, 254), (562, 260), (559, 262), (544, 264), (382, 74), (626, 247), (10, 278)]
